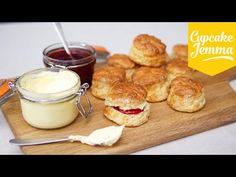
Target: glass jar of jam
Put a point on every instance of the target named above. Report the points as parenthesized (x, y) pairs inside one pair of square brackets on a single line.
[(84, 58)]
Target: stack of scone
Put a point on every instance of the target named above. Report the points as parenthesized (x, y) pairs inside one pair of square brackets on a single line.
[(147, 74), (185, 94), (150, 52), (104, 78), (154, 80), (123, 61)]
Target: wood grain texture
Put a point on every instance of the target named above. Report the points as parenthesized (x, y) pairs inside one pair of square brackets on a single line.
[(163, 126)]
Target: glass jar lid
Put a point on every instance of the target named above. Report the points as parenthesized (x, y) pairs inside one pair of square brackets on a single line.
[(48, 85)]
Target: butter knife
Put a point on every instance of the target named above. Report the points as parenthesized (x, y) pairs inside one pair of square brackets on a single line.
[(29, 142)]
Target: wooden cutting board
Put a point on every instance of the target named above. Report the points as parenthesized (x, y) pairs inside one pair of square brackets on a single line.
[(163, 126)]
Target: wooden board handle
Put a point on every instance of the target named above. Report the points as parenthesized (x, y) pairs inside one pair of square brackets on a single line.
[(228, 75)]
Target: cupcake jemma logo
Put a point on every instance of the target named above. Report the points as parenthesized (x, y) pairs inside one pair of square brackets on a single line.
[(220, 52), (212, 47)]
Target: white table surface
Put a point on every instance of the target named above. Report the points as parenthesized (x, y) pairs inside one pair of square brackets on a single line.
[(21, 46)]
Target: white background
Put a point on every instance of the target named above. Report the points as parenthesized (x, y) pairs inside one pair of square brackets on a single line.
[(21, 46)]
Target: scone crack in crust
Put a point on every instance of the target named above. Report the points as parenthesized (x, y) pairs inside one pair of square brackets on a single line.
[(148, 76), (140, 58), (178, 66), (109, 74), (150, 45), (183, 86), (120, 61)]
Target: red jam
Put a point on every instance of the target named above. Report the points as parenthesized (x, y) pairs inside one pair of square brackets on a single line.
[(130, 111), (61, 54), (82, 63)]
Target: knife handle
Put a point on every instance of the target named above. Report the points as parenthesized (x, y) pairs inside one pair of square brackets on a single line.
[(5, 90)]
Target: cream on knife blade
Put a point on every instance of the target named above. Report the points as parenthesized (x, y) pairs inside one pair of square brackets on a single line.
[(102, 137)]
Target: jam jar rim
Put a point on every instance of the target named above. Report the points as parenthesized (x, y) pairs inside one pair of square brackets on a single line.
[(70, 63), (42, 97)]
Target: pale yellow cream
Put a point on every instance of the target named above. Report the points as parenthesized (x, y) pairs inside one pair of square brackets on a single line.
[(49, 82), (49, 85), (104, 137)]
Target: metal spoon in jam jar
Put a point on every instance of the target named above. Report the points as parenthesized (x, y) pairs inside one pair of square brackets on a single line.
[(61, 35)]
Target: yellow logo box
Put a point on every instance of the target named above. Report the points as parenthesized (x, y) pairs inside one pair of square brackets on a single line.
[(211, 46)]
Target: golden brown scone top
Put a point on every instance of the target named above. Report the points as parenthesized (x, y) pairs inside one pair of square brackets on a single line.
[(120, 61), (178, 66), (184, 86), (109, 74), (180, 50), (128, 93), (148, 76), (149, 45)]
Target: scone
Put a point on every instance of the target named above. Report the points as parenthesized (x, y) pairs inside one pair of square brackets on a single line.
[(122, 61), (180, 51), (186, 95), (126, 104), (178, 67), (154, 80), (104, 78), (148, 51)]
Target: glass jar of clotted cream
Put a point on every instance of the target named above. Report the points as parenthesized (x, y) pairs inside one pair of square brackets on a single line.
[(50, 97)]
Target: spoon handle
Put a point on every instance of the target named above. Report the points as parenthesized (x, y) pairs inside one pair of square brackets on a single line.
[(28, 142), (61, 35)]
